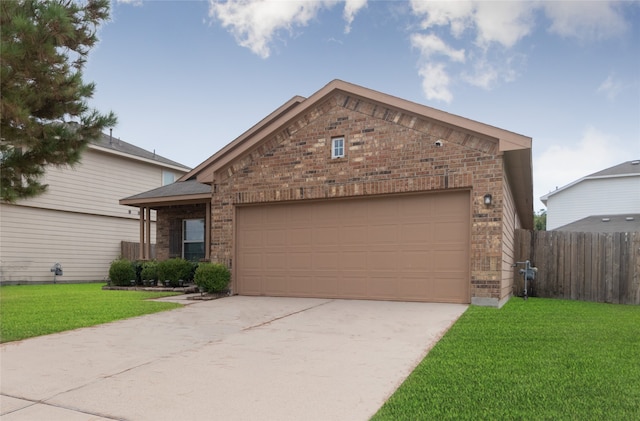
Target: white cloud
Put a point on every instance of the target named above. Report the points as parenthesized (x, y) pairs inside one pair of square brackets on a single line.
[(254, 23), (560, 165), (457, 14), (485, 75), (132, 2), (610, 88), (504, 23), (585, 20), (490, 23), (431, 44), (351, 8), (435, 82)]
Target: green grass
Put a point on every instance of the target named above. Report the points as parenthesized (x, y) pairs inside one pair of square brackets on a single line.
[(539, 359), (33, 310)]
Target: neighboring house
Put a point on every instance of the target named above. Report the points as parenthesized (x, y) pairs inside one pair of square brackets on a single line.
[(609, 193), (352, 193), (78, 221)]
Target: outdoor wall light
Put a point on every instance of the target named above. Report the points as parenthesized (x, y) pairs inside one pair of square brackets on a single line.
[(487, 199)]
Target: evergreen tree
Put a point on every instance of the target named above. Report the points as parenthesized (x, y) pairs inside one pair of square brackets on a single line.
[(540, 220), (45, 119)]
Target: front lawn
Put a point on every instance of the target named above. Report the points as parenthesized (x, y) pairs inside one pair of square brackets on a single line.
[(540, 359), (34, 310)]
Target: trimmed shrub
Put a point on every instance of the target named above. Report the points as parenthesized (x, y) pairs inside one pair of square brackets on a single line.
[(212, 277), (149, 271), (174, 271), (122, 272)]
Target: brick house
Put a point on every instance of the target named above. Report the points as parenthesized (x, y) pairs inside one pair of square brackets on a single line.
[(352, 193)]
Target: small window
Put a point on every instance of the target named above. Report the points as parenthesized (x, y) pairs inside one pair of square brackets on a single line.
[(193, 239), (168, 178), (337, 147)]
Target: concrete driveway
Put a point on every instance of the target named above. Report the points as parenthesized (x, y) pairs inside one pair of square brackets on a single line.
[(237, 358)]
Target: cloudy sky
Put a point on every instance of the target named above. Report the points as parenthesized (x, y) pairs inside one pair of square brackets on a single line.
[(187, 77)]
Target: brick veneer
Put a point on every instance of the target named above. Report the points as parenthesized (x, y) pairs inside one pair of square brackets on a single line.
[(387, 151), (171, 213)]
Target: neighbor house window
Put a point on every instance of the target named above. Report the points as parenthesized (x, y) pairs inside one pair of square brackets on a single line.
[(193, 239), (168, 177), (337, 147)]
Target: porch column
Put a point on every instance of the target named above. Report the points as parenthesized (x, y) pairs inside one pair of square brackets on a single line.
[(207, 232), (141, 243), (147, 253)]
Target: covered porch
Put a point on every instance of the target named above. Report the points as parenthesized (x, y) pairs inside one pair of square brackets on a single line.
[(183, 220)]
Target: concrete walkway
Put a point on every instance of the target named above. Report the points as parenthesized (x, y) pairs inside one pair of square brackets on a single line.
[(236, 358)]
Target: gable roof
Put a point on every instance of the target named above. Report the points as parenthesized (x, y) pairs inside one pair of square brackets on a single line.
[(516, 148), (604, 223), (625, 169), (110, 144), (508, 141)]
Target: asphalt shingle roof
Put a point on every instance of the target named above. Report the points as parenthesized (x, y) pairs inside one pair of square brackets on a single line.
[(604, 223), (179, 188), (113, 143)]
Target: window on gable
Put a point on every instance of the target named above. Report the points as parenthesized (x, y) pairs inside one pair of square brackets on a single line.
[(337, 147), (193, 239), (168, 177)]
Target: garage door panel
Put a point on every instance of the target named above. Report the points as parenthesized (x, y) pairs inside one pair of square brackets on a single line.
[(252, 283), (252, 260), (251, 238), (449, 232), (325, 260), (415, 260), (412, 247), (383, 234), (299, 237), (274, 285), (326, 286), (275, 261), (352, 285), (273, 238), (355, 234), (325, 236), (299, 260)]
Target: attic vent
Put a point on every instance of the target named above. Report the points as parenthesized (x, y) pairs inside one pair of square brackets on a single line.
[(606, 219), (635, 162), (629, 218)]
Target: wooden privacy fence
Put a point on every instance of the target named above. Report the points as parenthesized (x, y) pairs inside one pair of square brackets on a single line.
[(601, 267), (131, 251)]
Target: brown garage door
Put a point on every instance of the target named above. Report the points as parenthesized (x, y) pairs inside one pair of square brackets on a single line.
[(403, 247)]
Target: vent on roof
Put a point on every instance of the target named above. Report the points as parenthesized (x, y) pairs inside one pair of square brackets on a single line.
[(635, 162), (629, 218), (606, 219)]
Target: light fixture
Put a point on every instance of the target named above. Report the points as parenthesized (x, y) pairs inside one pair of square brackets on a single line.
[(487, 199)]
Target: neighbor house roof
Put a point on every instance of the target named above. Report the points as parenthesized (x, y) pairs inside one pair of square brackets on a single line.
[(184, 192), (626, 169), (604, 223), (110, 144)]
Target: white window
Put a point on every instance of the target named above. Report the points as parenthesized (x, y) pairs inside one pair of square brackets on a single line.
[(337, 147), (193, 239), (168, 177)]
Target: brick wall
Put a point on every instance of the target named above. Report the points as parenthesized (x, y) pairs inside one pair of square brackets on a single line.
[(387, 151), (170, 219)]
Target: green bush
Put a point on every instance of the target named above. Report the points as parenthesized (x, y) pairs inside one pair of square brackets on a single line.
[(149, 271), (122, 272), (212, 277), (174, 271)]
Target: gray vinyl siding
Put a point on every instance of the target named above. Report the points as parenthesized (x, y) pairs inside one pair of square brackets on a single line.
[(602, 196), (78, 222)]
